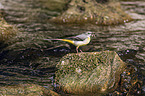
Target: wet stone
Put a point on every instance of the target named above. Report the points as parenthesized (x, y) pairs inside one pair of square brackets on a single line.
[(89, 72), (130, 82)]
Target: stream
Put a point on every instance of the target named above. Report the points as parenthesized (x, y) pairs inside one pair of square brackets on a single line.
[(21, 61)]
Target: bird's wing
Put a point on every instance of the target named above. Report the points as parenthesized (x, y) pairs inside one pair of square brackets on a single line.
[(79, 37)]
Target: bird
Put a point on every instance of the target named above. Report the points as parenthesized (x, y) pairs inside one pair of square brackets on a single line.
[(81, 40)]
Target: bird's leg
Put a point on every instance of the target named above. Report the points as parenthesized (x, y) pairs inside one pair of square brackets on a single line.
[(77, 48), (80, 50)]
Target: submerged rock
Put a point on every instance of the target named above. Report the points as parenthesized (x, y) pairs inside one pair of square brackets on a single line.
[(89, 73), (130, 83), (93, 11)]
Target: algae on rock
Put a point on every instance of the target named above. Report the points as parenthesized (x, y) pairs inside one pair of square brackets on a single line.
[(89, 73), (100, 12), (26, 90), (7, 31)]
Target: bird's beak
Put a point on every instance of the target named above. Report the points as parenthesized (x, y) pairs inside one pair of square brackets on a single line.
[(93, 34)]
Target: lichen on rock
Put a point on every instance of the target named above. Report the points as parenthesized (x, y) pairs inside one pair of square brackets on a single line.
[(89, 72)]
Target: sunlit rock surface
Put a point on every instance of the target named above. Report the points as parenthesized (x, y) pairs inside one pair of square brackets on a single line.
[(89, 73), (100, 12)]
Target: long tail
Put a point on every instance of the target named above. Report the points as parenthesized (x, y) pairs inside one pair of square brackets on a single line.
[(66, 40), (52, 39)]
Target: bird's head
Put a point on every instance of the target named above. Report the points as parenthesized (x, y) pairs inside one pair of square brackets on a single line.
[(89, 33)]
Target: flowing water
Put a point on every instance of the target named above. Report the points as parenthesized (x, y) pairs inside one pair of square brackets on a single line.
[(22, 59)]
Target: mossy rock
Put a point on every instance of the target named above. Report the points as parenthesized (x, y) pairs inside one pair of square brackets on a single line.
[(26, 90), (92, 11), (89, 72), (7, 31)]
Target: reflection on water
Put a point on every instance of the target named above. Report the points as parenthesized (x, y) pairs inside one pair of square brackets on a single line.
[(31, 17)]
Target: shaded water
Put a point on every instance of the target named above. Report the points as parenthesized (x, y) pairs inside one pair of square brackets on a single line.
[(27, 55)]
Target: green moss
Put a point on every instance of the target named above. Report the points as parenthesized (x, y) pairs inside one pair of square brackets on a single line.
[(7, 31), (89, 73), (26, 90)]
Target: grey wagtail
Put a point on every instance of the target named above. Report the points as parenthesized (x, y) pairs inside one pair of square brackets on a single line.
[(85, 37)]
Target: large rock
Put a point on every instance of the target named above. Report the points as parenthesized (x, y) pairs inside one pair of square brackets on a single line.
[(100, 12), (89, 72)]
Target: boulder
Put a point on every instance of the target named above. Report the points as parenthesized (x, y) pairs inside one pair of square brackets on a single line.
[(97, 12), (89, 72)]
